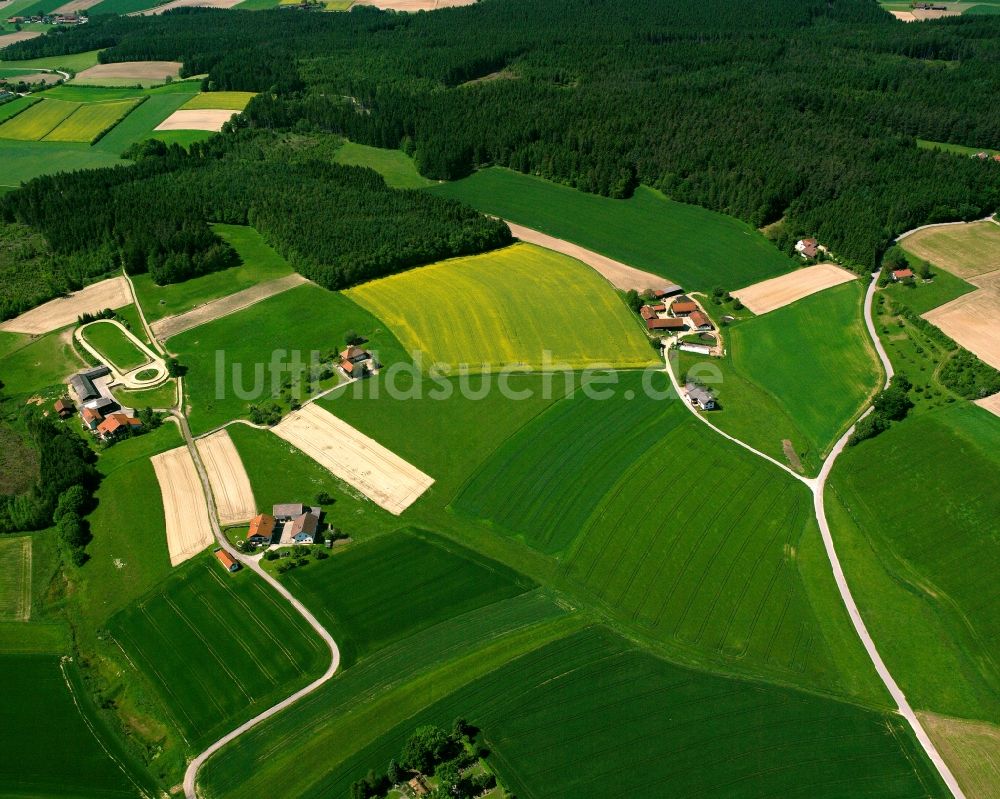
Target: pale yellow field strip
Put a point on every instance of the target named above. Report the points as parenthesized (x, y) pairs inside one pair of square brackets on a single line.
[(992, 404), (185, 4), (359, 461), (111, 293), (234, 501), (621, 276), (172, 325), (777, 292), (964, 250), (414, 5), (197, 119), (16, 555), (75, 5), (904, 16), (185, 508), (150, 70), (972, 751), (973, 319)]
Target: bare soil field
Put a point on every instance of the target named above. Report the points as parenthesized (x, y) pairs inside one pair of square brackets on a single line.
[(149, 71), (18, 36), (921, 14), (40, 77), (769, 295), (992, 404), (111, 293), (185, 508), (172, 325), (196, 119), (75, 5), (186, 4), (971, 749), (621, 276), (359, 461), (414, 5), (904, 16), (234, 501), (973, 320), (964, 250)]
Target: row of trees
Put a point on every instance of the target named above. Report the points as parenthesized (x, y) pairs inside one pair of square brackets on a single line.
[(338, 225), (806, 111)]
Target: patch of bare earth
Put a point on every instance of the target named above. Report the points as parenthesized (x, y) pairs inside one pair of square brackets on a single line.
[(197, 119), (991, 404), (172, 325), (621, 276), (140, 70), (111, 293), (231, 490), (973, 319), (791, 455), (185, 507), (8, 39), (777, 292), (414, 5), (186, 4), (350, 455), (964, 250)]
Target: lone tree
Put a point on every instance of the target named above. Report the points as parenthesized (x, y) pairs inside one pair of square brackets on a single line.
[(893, 403), (425, 747)]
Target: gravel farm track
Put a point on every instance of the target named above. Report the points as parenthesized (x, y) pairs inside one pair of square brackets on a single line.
[(816, 486)]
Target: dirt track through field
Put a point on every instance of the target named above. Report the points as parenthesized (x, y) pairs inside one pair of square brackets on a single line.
[(185, 508), (973, 319), (140, 70), (111, 293), (777, 292), (359, 461), (621, 276), (172, 325), (197, 119), (231, 490), (414, 5)]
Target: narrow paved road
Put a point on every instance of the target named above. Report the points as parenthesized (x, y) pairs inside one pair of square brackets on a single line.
[(817, 486)]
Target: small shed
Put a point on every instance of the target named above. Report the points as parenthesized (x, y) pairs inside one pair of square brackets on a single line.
[(902, 275), (227, 560), (64, 407)]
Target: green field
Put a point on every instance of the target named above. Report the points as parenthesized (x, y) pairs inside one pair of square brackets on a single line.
[(395, 166), (512, 307), (140, 123), (915, 522), (74, 62), (378, 592), (960, 149), (15, 579), (300, 321), (53, 743), (443, 436), (922, 296), (218, 648), (964, 250), (38, 121), (815, 361), (33, 365), (91, 120), (164, 396), (675, 532), (234, 101), (16, 106), (24, 160), (260, 263), (108, 339), (124, 6), (686, 244)]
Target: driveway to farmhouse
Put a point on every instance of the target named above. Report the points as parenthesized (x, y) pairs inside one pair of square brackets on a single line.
[(816, 486)]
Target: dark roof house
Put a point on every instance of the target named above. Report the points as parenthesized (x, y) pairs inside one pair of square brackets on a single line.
[(666, 324)]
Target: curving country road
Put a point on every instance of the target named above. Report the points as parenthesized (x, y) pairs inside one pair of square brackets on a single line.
[(817, 486)]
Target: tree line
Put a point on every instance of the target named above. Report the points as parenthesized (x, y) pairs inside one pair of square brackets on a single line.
[(805, 112)]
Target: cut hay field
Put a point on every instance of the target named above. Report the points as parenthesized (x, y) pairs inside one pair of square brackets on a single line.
[(54, 744), (677, 534), (964, 250), (185, 505), (381, 591), (815, 361), (217, 647), (258, 343), (92, 120), (130, 73), (260, 263), (228, 101), (62, 311), (514, 306), (915, 513), (395, 166), (972, 751), (196, 119), (108, 339), (686, 244), (231, 489), (15, 579)]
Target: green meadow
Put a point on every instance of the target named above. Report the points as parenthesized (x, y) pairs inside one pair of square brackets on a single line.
[(508, 308), (32, 365), (108, 339), (164, 396), (686, 244), (395, 166), (249, 351), (217, 648), (915, 522), (73, 62), (922, 297), (47, 718), (259, 263)]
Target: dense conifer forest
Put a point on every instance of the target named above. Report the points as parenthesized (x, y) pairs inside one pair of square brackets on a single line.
[(796, 110)]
